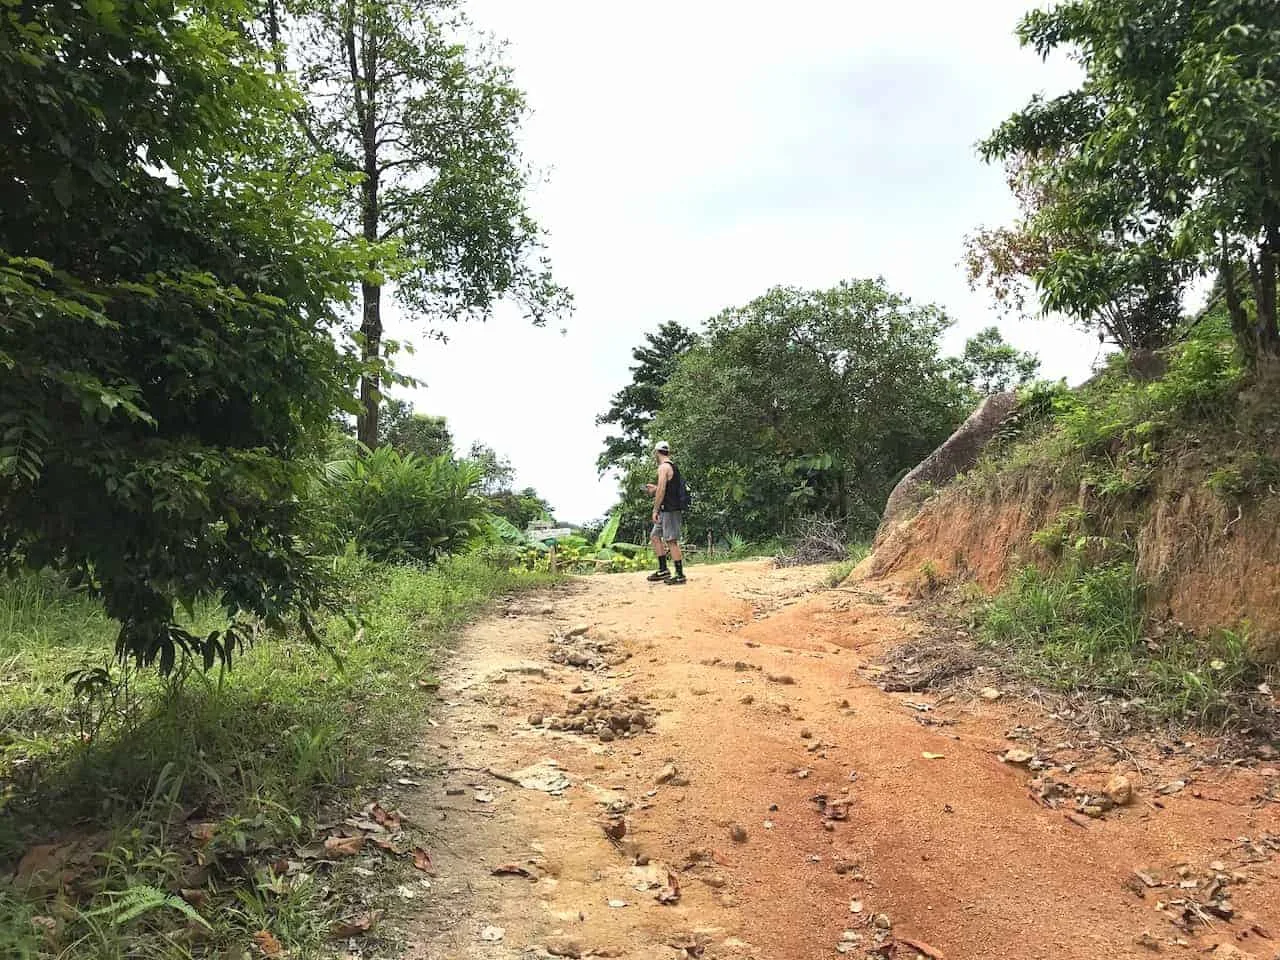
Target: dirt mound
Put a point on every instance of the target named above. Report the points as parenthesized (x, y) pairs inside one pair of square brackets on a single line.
[(1209, 565)]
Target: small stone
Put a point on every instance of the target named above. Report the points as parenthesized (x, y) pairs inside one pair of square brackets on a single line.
[(669, 773), (577, 630), (882, 922), (1119, 790), (1229, 951), (855, 906), (845, 705), (747, 700), (639, 721), (535, 720), (738, 833), (806, 734), (715, 881), (492, 934), (1017, 756), (990, 694), (564, 947), (607, 735)]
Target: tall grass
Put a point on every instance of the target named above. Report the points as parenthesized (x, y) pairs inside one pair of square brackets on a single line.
[(1083, 628), (260, 753)]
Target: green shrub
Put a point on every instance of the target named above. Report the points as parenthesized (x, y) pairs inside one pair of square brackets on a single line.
[(402, 508), (1202, 376), (1082, 628)]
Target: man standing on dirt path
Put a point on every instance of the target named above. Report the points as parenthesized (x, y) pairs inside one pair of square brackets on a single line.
[(670, 497)]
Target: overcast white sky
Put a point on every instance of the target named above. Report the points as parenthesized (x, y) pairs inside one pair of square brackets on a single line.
[(702, 151)]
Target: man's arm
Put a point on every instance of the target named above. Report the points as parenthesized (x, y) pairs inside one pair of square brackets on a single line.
[(664, 472)]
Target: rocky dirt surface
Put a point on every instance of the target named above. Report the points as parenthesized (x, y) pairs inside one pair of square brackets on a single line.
[(637, 771)]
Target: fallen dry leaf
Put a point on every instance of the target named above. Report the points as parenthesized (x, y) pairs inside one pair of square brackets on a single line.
[(422, 860), (384, 844), (353, 927), (389, 820), (671, 892), (267, 944), (45, 860), (513, 870), (194, 897), (203, 832), (344, 846)]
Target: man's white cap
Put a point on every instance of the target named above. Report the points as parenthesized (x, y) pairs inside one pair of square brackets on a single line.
[(663, 447)]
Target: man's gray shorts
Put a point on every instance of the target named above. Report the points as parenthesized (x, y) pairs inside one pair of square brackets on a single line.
[(668, 526)]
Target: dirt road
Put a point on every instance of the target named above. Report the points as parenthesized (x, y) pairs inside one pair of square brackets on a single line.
[(730, 705)]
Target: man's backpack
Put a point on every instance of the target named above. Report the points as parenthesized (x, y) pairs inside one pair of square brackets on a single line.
[(683, 495)]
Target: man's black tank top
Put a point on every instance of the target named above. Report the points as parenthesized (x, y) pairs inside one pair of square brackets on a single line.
[(673, 496)]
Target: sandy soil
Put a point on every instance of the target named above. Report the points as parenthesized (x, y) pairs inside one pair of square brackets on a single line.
[(758, 686)]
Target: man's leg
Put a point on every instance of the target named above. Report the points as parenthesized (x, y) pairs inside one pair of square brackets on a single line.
[(659, 548), (671, 533)]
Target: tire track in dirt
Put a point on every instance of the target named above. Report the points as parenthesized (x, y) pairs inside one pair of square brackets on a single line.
[(755, 684)]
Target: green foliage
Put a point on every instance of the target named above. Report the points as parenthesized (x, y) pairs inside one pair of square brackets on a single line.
[(1082, 628), (278, 745), (1249, 475), (403, 509), (840, 571), (139, 899), (805, 402), (990, 365), (167, 317), (634, 406), (1203, 376), (1161, 164), (426, 116), (521, 508), (417, 433)]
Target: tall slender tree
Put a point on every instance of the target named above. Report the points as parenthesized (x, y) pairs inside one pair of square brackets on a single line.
[(425, 117), (634, 406)]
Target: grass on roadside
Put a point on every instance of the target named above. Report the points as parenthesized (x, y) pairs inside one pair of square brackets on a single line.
[(166, 802), (840, 571), (1083, 628)]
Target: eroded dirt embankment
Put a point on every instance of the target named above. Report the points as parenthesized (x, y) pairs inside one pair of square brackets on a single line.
[(638, 771), (1210, 564)]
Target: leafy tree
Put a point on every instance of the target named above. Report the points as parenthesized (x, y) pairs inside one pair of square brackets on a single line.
[(496, 472), (808, 401), (166, 321), (417, 433), (1175, 136), (635, 405), (1064, 249), (428, 126), (990, 365), (520, 508)]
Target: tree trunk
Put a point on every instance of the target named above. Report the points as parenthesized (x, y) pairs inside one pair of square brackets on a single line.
[(1268, 335), (370, 400), (1240, 326), (370, 215)]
